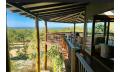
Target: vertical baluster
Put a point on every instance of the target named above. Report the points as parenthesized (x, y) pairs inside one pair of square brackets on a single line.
[(81, 68), (79, 65)]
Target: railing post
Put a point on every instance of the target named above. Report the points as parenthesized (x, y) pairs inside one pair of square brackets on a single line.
[(73, 59)]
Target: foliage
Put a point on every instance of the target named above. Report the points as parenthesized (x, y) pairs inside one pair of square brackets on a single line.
[(99, 28), (29, 35), (18, 35), (56, 57)]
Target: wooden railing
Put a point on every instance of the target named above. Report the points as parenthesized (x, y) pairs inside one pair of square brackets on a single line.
[(78, 64), (82, 64)]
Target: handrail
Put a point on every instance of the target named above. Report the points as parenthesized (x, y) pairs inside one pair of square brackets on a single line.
[(69, 43), (74, 58), (84, 67)]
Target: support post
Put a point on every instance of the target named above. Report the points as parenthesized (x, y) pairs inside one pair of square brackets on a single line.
[(74, 29), (105, 31), (93, 35), (85, 31), (74, 33), (38, 43), (45, 56), (8, 69), (108, 28)]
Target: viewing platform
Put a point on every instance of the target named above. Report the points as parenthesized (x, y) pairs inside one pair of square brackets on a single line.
[(87, 50)]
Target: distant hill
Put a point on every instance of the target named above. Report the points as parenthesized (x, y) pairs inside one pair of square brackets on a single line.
[(20, 27), (53, 28)]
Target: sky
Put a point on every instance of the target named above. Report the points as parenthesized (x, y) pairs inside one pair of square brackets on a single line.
[(17, 20)]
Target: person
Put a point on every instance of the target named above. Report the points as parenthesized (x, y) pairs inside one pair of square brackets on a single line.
[(78, 40)]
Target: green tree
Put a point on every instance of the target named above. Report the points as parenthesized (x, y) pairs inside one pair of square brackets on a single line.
[(99, 28)]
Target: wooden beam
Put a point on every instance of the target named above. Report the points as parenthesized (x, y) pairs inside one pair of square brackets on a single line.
[(8, 69), (39, 5), (80, 15), (66, 16), (62, 11), (55, 7), (93, 38), (51, 4), (31, 6), (63, 21), (38, 43), (108, 29), (74, 30), (7, 6), (45, 56), (85, 31), (74, 19), (67, 20), (21, 8), (59, 9), (60, 14), (105, 30), (70, 15), (31, 1), (71, 19)]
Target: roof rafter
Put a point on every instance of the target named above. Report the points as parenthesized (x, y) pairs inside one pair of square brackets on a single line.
[(56, 7), (60, 10), (35, 6), (66, 12), (74, 16), (67, 16), (21, 8)]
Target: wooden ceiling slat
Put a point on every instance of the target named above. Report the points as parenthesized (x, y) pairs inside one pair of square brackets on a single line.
[(46, 6), (21, 8), (61, 21), (67, 16), (61, 10), (58, 8), (51, 10), (71, 18), (27, 1), (33, 5), (7, 6), (62, 13), (67, 19), (53, 15), (58, 15), (55, 7), (39, 4), (38, 7), (59, 18), (71, 15)]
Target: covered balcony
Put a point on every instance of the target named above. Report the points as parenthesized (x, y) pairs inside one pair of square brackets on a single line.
[(93, 53)]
